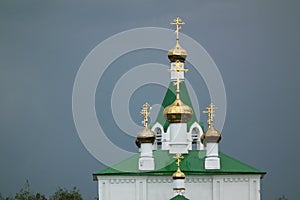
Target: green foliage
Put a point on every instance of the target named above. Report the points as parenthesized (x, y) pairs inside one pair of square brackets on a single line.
[(63, 194), (26, 194), (282, 198), (60, 194), (5, 198)]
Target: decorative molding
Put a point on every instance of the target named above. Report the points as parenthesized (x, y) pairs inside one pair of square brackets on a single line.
[(159, 180), (198, 180), (236, 179), (121, 181)]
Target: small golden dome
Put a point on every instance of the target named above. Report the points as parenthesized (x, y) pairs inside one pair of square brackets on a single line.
[(145, 136), (178, 174), (177, 53), (178, 112), (212, 135)]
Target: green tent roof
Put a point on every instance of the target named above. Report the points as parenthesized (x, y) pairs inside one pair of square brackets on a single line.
[(170, 98), (179, 197), (192, 164)]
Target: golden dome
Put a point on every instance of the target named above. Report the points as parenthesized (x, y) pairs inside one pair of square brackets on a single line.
[(178, 174), (177, 53), (212, 135), (178, 112), (145, 136)]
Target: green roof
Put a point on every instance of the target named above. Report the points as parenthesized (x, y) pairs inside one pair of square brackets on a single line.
[(170, 98), (179, 197), (192, 164)]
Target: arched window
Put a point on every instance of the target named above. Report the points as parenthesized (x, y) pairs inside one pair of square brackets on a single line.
[(195, 138), (158, 137)]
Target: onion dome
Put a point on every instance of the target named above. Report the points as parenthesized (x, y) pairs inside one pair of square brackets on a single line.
[(212, 135), (145, 136), (177, 53), (178, 174), (178, 112)]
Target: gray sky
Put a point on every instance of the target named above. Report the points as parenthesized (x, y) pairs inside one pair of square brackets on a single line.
[(255, 45)]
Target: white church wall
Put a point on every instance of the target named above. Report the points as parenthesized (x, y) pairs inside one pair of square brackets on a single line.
[(214, 187), (199, 187), (159, 188)]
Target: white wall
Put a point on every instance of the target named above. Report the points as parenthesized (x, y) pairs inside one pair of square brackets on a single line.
[(215, 187)]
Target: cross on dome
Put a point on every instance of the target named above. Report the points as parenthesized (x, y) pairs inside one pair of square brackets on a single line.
[(210, 111), (146, 112), (178, 69), (178, 156), (178, 22)]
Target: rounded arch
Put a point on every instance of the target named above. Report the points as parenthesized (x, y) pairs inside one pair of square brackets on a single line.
[(158, 140), (158, 130), (195, 135)]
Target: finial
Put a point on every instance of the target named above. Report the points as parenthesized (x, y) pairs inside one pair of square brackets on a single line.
[(210, 111), (178, 156), (178, 69), (177, 22), (178, 174), (146, 112)]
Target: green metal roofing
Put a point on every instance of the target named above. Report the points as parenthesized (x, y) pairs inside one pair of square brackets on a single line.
[(193, 164), (170, 98), (179, 197)]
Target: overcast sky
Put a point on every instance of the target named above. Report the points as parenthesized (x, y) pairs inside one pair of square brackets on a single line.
[(255, 44)]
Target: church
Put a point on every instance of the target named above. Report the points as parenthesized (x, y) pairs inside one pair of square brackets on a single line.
[(178, 158)]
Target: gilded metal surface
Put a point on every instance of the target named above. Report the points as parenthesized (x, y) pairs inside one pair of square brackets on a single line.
[(178, 112), (178, 174), (210, 111), (145, 111), (178, 22), (177, 53), (212, 135), (178, 188), (146, 135)]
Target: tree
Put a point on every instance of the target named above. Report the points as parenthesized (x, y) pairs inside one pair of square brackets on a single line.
[(60, 194), (64, 194), (26, 194), (282, 198), (5, 198)]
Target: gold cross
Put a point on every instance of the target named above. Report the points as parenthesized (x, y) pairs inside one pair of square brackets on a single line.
[(177, 22), (210, 111), (146, 112), (178, 156), (178, 69)]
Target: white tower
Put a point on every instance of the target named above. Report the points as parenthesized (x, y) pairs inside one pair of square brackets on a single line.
[(144, 141), (178, 178), (178, 114), (178, 131), (211, 139)]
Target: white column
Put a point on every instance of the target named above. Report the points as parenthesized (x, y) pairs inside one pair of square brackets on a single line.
[(146, 160), (178, 132), (178, 138), (179, 187), (212, 149), (146, 150), (212, 160)]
